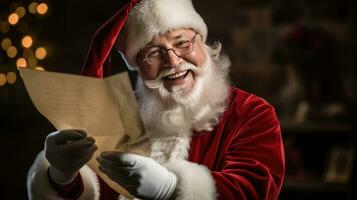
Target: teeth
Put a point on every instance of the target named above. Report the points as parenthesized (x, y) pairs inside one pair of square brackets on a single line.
[(176, 75)]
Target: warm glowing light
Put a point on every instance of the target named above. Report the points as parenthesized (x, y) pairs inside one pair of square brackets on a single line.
[(27, 41), (13, 18), (21, 62), (20, 11), (41, 53), (39, 68), (11, 52), (33, 7), (11, 77), (6, 43), (42, 8), (32, 62), (2, 79), (4, 27)]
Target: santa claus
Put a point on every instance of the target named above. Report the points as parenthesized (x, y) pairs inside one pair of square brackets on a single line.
[(208, 140)]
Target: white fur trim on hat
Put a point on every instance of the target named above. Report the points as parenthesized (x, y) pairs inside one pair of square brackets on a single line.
[(153, 17), (38, 185), (194, 181)]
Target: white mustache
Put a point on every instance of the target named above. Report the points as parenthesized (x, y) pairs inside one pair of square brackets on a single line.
[(157, 83)]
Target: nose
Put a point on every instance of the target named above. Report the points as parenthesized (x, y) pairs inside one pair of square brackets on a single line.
[(172, 59)]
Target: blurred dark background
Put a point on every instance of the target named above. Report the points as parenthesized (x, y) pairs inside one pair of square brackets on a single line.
[(300, 55)]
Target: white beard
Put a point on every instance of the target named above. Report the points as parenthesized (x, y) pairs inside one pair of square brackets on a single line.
[(184, 110)]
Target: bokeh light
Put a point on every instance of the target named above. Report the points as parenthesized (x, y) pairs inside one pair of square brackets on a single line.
[(13, 18), (41, 53), (11, 52), (21, 62), (2, 79), (42, 8), (20, 11), (33, 7), (11, 77), (27, 41), (6, 43)]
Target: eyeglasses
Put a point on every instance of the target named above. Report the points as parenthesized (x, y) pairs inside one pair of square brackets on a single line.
[(156, 56)]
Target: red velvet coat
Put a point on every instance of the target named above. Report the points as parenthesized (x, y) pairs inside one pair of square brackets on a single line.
[(244, 152)]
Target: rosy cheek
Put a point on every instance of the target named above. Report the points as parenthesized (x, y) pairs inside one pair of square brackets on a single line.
[(198, 57), (149, 73), (202, 58)]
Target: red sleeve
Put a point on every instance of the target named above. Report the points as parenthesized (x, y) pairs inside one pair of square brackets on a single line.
[(253, 165), (75, 189), (71, 191), (107, 192)]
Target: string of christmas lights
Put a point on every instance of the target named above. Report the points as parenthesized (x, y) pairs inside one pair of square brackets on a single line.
[(22, 48)]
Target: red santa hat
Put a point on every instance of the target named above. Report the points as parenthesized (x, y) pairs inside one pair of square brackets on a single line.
[(142, 21)]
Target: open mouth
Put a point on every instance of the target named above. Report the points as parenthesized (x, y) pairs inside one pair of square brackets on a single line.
[(176, 76)]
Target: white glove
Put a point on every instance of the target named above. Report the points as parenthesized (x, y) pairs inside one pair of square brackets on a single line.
[(67, 151), (140, 176)]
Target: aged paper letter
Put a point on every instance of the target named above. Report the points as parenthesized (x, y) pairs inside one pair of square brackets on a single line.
[(105, 108)]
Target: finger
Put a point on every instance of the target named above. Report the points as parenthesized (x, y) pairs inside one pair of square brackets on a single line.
[(67, 135), (110, 155), (118, 168), (105, 162), (69, 148), (102, 161), (81, 152), (119, 158), (130, 183), (80, 161), (119, 175), (91, 139)]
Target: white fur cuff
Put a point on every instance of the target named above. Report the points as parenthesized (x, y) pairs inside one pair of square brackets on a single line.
[(38, 185), (194, 181)]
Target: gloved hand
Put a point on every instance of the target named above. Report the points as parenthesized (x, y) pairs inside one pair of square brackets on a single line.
[(67, 151), (140, 176)]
